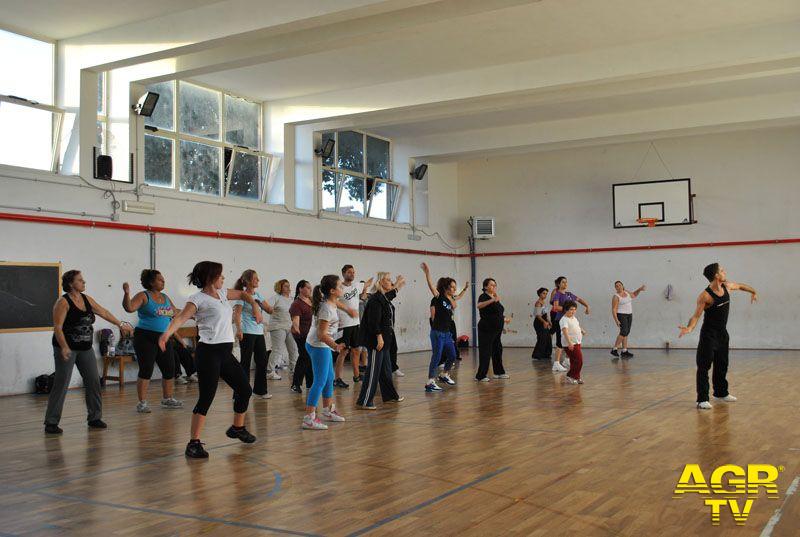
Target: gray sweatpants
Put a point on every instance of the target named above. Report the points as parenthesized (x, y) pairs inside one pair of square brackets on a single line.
[(87, 366)]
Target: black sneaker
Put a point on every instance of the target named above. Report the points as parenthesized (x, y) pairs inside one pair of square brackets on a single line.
[(614, 352), (358, 379), (242, 434), (339, 383), (296, 389), (626, 354), (194, 450), (53, 429), (98, 424)]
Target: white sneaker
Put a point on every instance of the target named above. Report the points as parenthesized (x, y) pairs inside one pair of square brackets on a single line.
[(728, 398), (331, 414), (447, 380), (265, 396), (705, 405), (142, 407), (181, 380), (273, 376), (503, 376), (570, 380), (310, 421), (558, 368), (399, 373), (171, 402), (484, 379), (192, 377)]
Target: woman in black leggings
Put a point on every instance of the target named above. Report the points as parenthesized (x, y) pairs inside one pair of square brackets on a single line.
[(490, 330), (301, 314), (214, 360)]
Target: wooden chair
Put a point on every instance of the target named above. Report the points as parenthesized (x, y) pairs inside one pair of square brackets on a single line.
[(120, 360)]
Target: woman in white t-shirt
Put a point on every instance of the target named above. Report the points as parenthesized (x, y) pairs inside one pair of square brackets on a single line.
[(320, 343), (214, 358), (280, 330), (622, 311)]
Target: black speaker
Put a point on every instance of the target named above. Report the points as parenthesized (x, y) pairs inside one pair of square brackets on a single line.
[(103, 167)]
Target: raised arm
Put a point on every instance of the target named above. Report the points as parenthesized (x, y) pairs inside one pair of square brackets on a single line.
[(186, 313), (639, 290), (124, 326), (614, 308), (399, 282), (703, 301), (59, 314), (365, 290), (461, 293), (132, 304), (244, 296), (427, 272), (733, 286)]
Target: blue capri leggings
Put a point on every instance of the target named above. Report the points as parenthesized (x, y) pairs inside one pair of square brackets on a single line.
[(322, 365)]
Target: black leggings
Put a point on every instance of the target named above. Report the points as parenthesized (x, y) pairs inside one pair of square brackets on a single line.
[(183, 356), (148, 354), (544, 341), (215, 361), (303, 366), (490, 346), (254, 345)]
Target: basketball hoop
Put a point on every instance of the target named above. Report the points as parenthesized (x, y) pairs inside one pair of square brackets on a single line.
[(651, 222)]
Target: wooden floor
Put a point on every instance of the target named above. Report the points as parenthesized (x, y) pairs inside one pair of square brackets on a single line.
[(525, 456)]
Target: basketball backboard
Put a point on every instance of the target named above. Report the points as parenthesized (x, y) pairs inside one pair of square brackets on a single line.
[(668, 201)]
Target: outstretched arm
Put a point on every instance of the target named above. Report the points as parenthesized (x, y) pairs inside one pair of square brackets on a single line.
[(461, 293), (344, 307), (186, 313), (427, 272), (639, 290), (703, 301), (743, 287), (583, 303), (124, 326)]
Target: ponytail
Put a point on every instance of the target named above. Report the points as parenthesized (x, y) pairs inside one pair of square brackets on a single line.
[(244, 280), (323, 291), (316, 299)]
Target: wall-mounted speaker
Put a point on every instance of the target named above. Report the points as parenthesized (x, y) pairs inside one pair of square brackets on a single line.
[(103, 168)]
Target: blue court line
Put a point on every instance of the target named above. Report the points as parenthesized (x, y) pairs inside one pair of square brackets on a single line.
[(632, 414), (426, 503), (149, 510)]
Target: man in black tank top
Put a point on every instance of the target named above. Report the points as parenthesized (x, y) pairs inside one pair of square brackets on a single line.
[(712, 349)]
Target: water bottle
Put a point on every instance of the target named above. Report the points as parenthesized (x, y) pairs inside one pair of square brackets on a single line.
[(111, 350)]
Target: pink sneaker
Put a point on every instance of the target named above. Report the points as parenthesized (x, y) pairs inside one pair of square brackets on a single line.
[(331, 414), (310, 421)]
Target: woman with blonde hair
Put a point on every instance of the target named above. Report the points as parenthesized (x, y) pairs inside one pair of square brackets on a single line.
[(250, 333), (280, 329)]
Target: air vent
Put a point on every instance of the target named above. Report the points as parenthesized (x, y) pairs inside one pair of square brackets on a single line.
[(482, 227)]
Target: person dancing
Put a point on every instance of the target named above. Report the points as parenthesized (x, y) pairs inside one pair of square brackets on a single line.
[(250, 332), (558, 298), (713, 304), (622, 312), (441, 318), (301, 323), (490, 331), (544, 339)]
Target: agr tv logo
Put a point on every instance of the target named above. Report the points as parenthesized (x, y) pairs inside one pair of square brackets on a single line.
[(721, 493)]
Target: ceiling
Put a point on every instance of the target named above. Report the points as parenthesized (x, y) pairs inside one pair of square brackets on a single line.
[(61, 19)]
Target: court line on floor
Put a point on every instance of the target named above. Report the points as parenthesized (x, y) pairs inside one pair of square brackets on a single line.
[(632, 414), (427, 503), (150, 510), (776, 517)]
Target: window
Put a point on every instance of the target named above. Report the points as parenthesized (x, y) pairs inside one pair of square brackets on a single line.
[(356, 180), (29, 124), (184, 146)]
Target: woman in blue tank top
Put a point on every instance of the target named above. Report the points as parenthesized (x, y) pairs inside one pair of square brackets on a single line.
[(155, 311)]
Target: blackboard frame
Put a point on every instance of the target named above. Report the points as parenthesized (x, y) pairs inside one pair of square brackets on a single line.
[(58, 287)]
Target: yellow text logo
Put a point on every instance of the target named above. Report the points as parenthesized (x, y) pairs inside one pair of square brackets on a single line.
[(729, 488)]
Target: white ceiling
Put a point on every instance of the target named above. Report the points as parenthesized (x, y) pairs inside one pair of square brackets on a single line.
[(61, 19), (537, 30)]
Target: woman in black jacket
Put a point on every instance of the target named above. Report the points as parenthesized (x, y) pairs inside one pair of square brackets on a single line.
[(377, 334)]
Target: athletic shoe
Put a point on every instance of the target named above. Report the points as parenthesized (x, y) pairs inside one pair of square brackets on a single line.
[(242, 434), (614, 352), (580, 381), (570, 380), (296, 389), (728, 398), (704, 405), (357, 379), (194, 450), (447, 380), (98, 424), (171, 403), (339, 383), (441, 366), (53, 429), (366, 407), (142, 407), (265, 396), (312, 422), (192, 377), (331, 414), (503, 376), (181, 380), (432, 387), (399, 373), (626, 354), (558, 368), (273, 376), (398, 400), (484, 379)]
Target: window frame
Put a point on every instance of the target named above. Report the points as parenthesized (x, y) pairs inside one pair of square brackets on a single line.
[(336, 171), (177, 136), (55, 132)]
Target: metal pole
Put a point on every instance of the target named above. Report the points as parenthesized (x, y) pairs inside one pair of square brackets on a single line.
[(152, 251), (473, 283)]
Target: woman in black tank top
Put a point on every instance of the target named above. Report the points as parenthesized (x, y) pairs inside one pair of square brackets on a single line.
[(73, 335)]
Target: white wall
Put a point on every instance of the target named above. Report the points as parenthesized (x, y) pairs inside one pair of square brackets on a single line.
[(747, 189), (109, 257)]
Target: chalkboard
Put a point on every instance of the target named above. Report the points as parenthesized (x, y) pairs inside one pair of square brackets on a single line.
[(27, 294)]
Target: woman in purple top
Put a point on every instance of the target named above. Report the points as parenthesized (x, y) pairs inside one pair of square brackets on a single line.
[(558, 298)]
